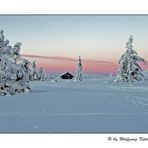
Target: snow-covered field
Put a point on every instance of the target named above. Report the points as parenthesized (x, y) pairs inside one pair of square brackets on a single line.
[(93, 105)]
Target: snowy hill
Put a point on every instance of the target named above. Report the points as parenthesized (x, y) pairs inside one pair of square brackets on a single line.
[(93, 105), (145, 74)]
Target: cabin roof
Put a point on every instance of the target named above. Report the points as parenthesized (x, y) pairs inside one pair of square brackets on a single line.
[(66, 74)]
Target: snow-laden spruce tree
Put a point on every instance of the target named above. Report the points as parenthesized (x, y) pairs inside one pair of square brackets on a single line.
[(37, 74), (40, 74), (78, 76), (14, 70), (53, 77), (129, 70), (33, 71)]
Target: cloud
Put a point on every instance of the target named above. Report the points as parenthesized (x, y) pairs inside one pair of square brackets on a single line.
[(49, 57), (68, 59)]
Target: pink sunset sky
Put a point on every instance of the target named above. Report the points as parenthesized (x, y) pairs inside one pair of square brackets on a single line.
[(55, 64)]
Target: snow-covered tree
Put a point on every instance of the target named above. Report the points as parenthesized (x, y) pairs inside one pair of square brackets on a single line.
[(53, 77), (25, 66), (2, 41), (37, 74), (13, 69), (129, 70), (41, 74), (33, 75), (78, 76), (16, 51)]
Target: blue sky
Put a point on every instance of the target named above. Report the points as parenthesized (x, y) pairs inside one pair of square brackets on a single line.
[(92, 37)]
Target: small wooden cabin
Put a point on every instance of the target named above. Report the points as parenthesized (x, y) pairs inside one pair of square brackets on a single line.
[(67, 75)]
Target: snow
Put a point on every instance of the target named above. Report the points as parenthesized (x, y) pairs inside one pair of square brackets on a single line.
[(145, 73), (95, 104)]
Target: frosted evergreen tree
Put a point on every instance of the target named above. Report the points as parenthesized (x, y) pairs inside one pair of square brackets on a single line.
[(53, 78), (25, 66), (13, 72), (78, 76), (40, 74), (34, 71), (37, 74), (16, 51), (129, 70)]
